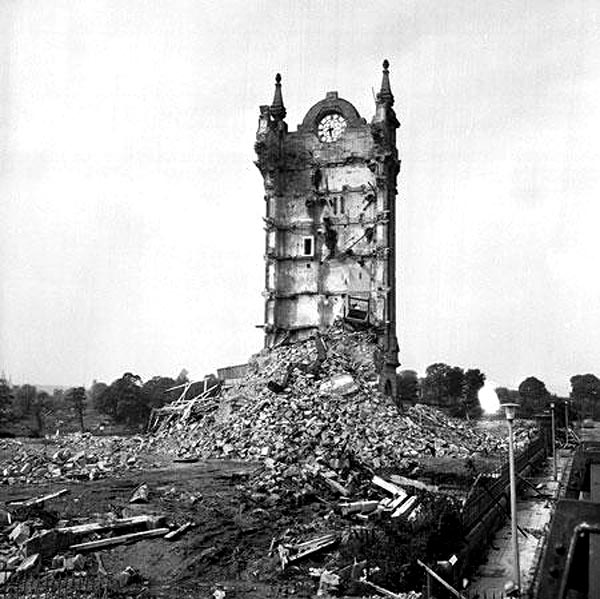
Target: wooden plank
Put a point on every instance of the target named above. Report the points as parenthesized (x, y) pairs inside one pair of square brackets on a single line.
[(313, 542), (98, 527), (120, 540), (178, 531), (337, 487), (396, 503), (361, 507), (387, 486), (440, 580), (316, 548), (29, 563), (405, 507), (38, 500), (417, 484), (382, 591)]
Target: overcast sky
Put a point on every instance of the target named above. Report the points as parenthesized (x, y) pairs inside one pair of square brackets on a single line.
[(131, 212)]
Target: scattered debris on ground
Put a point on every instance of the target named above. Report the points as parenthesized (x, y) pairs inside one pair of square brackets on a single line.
[(75, 456), (333, 489), (34, 539)]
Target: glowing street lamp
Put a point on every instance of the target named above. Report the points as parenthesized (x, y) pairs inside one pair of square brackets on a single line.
[(509, 412)]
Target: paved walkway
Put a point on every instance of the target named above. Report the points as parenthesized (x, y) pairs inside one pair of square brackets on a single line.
[(533, 516)]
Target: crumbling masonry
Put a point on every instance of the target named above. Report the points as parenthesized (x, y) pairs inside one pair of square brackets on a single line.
[(330, 192)]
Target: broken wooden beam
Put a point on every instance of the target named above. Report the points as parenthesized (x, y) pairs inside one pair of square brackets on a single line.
[(120, 540), (38, 500), (123, 523), (29, 563), (416, 484), (178, 531), (437, 577), (292, 553), (336, 487), (388, 486), (140, 494), (406, 507), (313, 542), (314, 548), (381, 590), (358, 507)]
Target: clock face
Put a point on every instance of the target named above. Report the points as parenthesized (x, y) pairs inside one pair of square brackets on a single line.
[(331, 127)]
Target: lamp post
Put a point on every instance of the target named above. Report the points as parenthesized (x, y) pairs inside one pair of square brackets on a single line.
[(566, 421), (509, 412), (554, 466)]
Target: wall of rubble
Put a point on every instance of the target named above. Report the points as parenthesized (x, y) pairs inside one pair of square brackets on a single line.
[(300, 409)]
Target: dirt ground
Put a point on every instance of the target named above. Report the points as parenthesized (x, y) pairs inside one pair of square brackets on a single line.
[(231, 547), (227, 549)]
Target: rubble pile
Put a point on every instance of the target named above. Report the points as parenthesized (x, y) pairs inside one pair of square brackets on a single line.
[(70, 457), (312, 408)]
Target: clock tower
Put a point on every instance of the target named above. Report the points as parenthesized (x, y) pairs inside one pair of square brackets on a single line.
[(330, 195)]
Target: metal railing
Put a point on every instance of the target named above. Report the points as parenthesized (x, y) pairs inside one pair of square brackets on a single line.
[(494, 485)]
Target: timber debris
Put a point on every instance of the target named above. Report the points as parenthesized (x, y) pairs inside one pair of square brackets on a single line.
[(29, 543)]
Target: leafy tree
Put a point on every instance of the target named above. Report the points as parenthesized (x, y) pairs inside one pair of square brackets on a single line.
[(95, 395), (40, 410), (474, 381), (408, 386), (585, 393), (156, 391), (6, 400), (534, 396), (77, 398), (25, 397), (105, 398), (451, 386), (182, 377), (455, 383), (435, 384), (124, 400)]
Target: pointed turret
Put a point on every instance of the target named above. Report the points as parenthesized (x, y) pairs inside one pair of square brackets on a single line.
[(385, 95), (277, 108)]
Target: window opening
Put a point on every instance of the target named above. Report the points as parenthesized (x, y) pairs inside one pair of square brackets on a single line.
[(308, 246)]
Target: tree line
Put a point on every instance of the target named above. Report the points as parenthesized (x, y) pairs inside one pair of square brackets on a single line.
[(128, 400), (445, 386), (456, 390)]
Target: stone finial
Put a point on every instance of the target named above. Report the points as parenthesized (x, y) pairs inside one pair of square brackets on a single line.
[(385, 95), (278, 111)]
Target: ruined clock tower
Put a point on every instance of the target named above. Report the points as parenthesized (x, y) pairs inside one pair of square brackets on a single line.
[(330, 194)]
